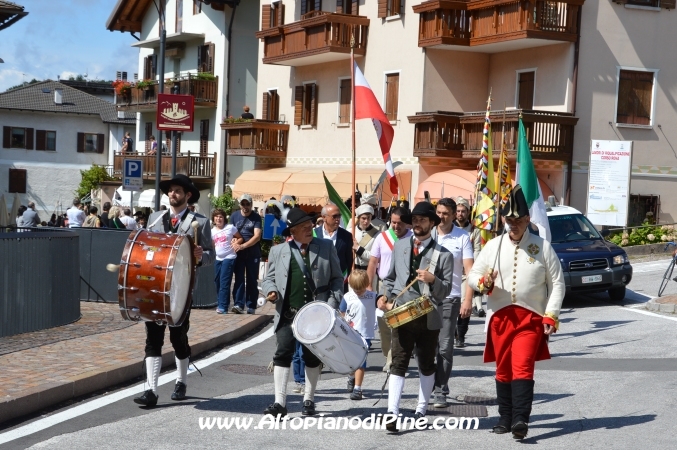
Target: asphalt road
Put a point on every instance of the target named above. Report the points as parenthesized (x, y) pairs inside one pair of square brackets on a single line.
[(610, 384)]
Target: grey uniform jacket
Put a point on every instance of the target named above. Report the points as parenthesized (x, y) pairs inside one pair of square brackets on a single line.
[(204, 230), (324, 267), (397, 277)]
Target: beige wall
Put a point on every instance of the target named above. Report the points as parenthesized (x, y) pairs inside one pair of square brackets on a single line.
[(455, 81)]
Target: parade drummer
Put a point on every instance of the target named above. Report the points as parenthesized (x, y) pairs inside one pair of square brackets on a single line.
[(182, 193), (299, 271), (420, 258), (525, 292)]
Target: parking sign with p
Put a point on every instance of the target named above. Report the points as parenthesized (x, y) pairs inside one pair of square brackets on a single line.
[(132, 175)]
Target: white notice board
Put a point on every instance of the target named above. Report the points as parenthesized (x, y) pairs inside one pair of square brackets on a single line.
[(609, 182)]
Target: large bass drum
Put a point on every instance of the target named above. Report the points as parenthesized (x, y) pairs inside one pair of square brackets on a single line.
[(156, 277), (324, 332)]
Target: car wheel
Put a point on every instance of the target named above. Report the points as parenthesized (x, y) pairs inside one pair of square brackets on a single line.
[(617, 294)]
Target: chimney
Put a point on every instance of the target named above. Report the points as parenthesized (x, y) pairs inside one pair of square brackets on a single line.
[(58, 96)]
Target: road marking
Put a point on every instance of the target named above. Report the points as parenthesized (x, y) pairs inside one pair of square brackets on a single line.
[(85, 408), (649, 313), (650, 266)]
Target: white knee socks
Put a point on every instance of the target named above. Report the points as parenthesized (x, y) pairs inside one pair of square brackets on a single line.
[(425, 388), (312, 375), (281, 377), (395, 388), (153, 367), (182, 369)]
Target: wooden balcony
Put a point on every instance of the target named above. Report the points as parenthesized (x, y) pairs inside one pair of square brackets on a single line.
[(204, 91), (196, 166), (319, 37), (256, 138), (459, 135), (497, 25)]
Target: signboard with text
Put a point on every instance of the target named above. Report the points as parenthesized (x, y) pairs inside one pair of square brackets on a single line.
[(175, 112), (132, 175), (609, 182)]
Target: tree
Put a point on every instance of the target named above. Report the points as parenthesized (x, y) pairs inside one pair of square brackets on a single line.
[(226, 202), (91, 179), (25, 83)]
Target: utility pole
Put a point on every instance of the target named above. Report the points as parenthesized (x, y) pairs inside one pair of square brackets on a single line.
[(161, 89), (175, 90)]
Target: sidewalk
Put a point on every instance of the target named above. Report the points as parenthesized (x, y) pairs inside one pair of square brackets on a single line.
[(101, 350)]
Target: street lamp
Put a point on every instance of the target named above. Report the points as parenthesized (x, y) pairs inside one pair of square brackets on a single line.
[(161, 86)]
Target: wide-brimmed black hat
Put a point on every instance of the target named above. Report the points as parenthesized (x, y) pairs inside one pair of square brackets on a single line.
[(516, 206), (185, 183), (426, 209), (296, 216)]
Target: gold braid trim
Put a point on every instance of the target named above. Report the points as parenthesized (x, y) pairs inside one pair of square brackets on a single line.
[(553, 317)]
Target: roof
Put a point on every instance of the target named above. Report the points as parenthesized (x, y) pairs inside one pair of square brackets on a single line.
[(563, 211), (10, 13), (40, 97), (127, 15)]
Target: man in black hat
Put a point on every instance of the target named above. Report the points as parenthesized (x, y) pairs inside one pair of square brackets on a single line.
[(178, 219), (422, 259), (526, 291), (299, 271)]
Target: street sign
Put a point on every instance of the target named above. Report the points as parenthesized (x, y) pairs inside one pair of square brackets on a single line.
[(272, 226), (132, 175), (175, 112)]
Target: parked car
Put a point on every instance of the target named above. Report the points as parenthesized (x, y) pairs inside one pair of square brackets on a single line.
[(591, 264)]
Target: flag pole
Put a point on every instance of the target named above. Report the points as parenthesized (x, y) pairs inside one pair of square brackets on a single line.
[(352, 123), (499, 187)]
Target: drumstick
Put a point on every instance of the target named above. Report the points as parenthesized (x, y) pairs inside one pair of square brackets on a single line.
[(195, 233), (112, 267), (406, 288)]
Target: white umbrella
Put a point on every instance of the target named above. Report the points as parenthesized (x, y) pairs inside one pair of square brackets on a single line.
[(4, 215), (15, 210)]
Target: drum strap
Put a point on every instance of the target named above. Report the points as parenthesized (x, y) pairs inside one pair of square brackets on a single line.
[(433, 264), (296, 253)]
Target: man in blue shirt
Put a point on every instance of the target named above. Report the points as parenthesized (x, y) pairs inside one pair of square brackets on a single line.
[(246, 268)]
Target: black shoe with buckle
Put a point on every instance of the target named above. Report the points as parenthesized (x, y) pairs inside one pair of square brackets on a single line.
[(179, 391), (392, 426), (356, 394), (351, 384), (147, 399), (276, 409), (308, 408)]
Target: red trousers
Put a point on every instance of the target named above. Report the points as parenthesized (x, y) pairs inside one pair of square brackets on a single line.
[(515, 340)]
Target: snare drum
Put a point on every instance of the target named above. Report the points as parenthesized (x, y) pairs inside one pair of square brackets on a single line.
[(409, 311), (328, 336), (156, 277)]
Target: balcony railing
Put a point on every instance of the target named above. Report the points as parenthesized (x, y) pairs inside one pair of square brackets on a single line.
[(256, 138), (319, 37), (459, 135), (204, 91), (198, 166), (482, 22)]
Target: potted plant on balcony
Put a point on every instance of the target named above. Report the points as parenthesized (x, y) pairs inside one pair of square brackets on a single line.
[(144, 85), (231, 119), (122, 88), (205, 76)]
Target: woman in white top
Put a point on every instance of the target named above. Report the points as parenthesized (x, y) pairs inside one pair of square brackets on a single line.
[(222, 236)]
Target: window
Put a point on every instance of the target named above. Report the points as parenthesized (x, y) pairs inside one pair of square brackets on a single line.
[(150, 67), (389, 8), (168, 143), (392, 95), (148, 132), (271, 105), (17, 181), (348, 7), (90, 143), (345, 94), (45, 140), (179, 16), (204, 137), (16, 137), (197, 7), (310, 6), (205, 58), (272, 15), (305, 104), (525, 89), (634, 102)]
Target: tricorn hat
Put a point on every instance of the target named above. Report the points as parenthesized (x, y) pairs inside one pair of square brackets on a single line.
[(187, 185), (516, 205), (426, 209), (296, 216)]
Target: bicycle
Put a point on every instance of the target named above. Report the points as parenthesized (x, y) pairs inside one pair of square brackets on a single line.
[(668, 273)]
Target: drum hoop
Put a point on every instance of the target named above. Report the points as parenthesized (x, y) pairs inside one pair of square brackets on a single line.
[(411, 304), (131, 244), (170, 275), (331, 327)]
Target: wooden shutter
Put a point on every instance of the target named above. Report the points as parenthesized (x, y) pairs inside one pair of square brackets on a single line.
[(210, 59), (28, 138), (355, 7), (99, 142), (280, 14), (634, 97), (318, 5), (146, 67), (6, 137), (668, 4), (153, 66), (147, 134), (17, 181), (525, 98), (274, 106), (200, 57), (304, 7), (265, 17), (339, 6), (298, 105), (41, 140), (344, 101), (313, 104), (382, 8), (204, 136), (265, 114), (392, 94), (81, 142)]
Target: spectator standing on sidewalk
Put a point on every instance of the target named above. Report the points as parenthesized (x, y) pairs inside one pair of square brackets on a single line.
[(104, 215), (127, 220), (246, 269), (76, 216), (30, 218), (223, 235), (92, 220), (114, 219)]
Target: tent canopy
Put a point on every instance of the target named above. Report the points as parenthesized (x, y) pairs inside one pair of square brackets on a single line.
[(147, 199), (307, 184)]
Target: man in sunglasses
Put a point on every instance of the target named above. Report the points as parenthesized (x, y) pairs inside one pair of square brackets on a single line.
[(246, 267), (342, 239)]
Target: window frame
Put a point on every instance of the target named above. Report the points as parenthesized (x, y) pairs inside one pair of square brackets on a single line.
[(307, 96), (338, 105), (11, 137), (385, 93), (517, 85), (9, 180), (652, 119), (96, 141)]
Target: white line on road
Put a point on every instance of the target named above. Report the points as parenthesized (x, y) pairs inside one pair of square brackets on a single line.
[(649, 313), (85, 408)]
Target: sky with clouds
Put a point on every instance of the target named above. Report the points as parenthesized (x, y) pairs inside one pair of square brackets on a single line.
[(64, 37)]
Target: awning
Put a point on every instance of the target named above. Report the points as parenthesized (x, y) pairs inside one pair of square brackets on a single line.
[(457, 183), (307, 184), (147, 199)]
